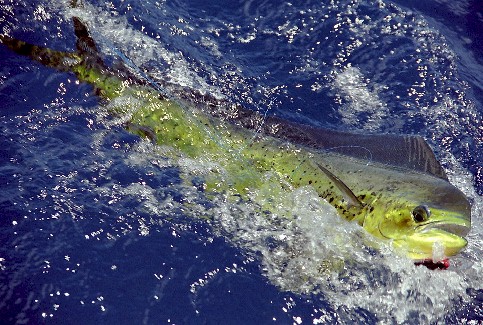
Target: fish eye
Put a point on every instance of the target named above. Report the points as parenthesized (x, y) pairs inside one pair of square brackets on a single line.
[(421, 213)]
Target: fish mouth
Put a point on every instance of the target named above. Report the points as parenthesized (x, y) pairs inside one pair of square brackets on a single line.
[(423, 248), (433, 242), (459, 229), (449, 236)]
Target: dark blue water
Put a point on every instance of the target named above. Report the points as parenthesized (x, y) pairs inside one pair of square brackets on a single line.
[(97, 226)]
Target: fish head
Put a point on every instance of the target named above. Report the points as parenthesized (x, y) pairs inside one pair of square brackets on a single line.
[(425, 225)]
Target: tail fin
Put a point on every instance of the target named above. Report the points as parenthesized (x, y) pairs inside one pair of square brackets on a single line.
[(86, 46), (87, 53), (59, 60)]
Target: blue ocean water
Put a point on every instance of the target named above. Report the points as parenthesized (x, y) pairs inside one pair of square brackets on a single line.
[(97, 225)]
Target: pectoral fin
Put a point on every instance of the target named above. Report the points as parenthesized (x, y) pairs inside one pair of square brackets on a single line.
[(349, 196)]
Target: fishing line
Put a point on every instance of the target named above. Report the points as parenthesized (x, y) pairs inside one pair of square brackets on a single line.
[(258, 130), (358, 147)]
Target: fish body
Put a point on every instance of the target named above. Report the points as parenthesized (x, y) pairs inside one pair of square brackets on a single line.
[(390, 185), (386, 195)]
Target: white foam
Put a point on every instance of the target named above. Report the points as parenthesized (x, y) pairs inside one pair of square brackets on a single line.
[(304, 246), (360, 106)]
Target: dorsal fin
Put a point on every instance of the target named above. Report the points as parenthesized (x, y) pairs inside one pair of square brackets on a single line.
[(409, 152), (404, 151)]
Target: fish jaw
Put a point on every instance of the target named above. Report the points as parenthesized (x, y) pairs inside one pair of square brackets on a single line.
[(432, 244)]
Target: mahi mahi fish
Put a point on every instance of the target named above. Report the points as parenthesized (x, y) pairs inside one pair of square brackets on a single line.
[(391, 185)]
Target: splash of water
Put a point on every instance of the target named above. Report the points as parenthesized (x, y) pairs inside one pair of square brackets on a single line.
[(313, 251)]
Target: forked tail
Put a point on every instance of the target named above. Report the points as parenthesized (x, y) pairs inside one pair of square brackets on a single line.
[(86, 63), (63, 61)]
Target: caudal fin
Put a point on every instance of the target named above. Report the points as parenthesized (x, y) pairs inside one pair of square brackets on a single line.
[(87, 53), (59, 60), (86, 46)]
